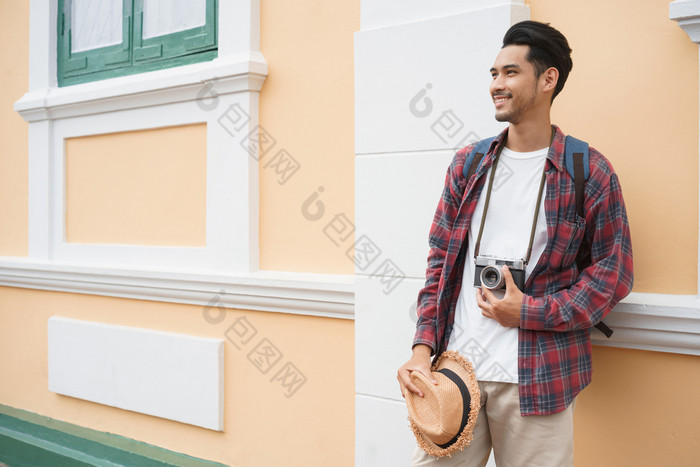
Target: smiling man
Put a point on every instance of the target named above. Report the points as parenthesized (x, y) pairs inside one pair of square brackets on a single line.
[(506, 284)]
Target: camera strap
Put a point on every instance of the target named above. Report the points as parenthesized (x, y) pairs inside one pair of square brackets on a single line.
[(488, 198)]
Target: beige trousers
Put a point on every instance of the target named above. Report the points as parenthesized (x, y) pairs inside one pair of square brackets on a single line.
[(532, 441)]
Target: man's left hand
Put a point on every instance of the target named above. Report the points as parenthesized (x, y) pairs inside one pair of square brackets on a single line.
[(506, 310)]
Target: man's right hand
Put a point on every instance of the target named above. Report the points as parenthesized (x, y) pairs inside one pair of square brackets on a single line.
[(420, 361)]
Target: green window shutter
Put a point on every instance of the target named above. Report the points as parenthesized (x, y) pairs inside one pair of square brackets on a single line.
[(74, 67), (134, 54), (176, 44)]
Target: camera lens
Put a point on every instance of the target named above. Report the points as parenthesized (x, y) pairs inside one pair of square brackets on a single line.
[(492, 278)]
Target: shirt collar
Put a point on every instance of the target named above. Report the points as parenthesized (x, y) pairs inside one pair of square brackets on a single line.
[(555, 154)]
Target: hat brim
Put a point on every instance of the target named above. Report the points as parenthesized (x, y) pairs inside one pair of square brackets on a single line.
[(453, 360)]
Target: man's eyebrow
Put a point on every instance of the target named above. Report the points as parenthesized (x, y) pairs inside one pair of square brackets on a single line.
[(506, 67)]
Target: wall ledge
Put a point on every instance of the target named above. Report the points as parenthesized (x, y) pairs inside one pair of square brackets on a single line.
[(327, 295), (687, 14), (239, 73), (656, 322)]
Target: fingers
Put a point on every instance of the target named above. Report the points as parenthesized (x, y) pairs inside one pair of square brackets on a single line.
[(427, 373), (486, 308), (414, 389), (510, 283), (406, 384), (401, 385), (485, 298), (506, 311), (405, 380), (419, 362)]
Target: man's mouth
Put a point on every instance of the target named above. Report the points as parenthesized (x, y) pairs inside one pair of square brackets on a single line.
[(498, 100)]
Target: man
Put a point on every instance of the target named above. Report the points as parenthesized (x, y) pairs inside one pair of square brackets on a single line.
[(531, 349)]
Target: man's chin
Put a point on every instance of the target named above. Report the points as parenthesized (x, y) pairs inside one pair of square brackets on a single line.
[(502, 117)]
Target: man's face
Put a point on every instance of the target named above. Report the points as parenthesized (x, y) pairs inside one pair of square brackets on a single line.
[(514, 87)]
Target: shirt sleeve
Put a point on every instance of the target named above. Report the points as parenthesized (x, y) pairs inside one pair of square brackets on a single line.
[(601, 285), (443, 221)]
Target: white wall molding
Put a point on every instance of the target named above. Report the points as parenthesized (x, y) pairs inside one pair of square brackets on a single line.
[(231, 242), (325, 295), (223, 93), (657, 322), (175, 376), (230, 74), (687, 14)]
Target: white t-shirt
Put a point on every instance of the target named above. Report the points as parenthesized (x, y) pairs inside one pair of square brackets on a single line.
[(492, 348)]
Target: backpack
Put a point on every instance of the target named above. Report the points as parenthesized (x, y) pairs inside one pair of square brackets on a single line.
[(577, 166)]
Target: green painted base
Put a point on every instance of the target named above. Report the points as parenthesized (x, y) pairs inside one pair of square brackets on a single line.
[(31, 440)]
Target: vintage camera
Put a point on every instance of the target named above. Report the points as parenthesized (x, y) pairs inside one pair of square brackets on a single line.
[(488, 272)]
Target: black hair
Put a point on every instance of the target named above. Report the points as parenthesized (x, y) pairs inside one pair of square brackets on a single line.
[(548, 48)]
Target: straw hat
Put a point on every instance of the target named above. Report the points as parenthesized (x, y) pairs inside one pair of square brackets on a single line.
[(444, 418)]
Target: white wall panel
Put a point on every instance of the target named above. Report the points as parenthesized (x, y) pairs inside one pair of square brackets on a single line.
[(384, 329), (424, 85), (385, 13), (389, 443), (409, 199), (382, 434), (168, 375)]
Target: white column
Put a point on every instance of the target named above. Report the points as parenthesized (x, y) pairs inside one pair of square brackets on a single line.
[(42, 75), (421, 90)]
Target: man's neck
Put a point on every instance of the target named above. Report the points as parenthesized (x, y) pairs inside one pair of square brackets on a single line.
[(529, 136)]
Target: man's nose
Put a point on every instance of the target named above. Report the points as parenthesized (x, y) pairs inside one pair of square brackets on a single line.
[(497, 83)]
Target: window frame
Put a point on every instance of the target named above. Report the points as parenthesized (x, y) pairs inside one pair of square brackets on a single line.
[(134, 54), (197, 93)]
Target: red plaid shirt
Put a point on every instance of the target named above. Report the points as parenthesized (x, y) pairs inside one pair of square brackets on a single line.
[(560, 304)]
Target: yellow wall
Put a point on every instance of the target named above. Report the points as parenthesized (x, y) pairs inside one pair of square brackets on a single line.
[(139, 188), (633, 94), (313, 427), (307, 105), (14, 75), (641, 410)]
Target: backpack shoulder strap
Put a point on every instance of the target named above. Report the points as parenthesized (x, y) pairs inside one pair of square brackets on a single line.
[(579, 169), (474, 158), (577, 165)]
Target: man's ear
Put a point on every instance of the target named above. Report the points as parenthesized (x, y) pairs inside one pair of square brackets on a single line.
[(550, 78)]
